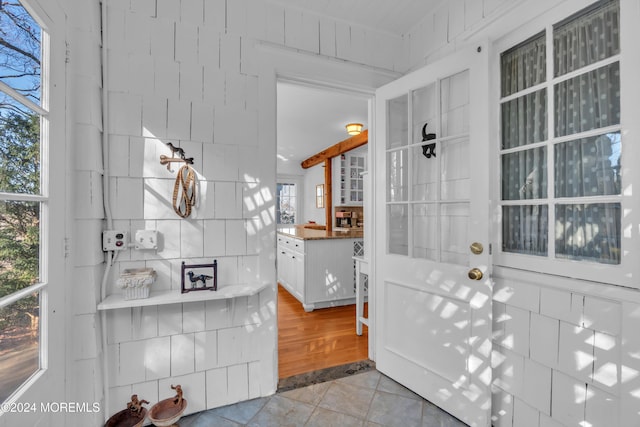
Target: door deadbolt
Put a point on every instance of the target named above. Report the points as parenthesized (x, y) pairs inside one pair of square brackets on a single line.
[(475, 274), (476, 248)]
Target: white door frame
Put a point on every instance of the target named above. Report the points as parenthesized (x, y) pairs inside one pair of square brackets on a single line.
[(282, 64)]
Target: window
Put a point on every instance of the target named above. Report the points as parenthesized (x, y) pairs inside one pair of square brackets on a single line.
[(23, 204), (560, 150), (286, 203)]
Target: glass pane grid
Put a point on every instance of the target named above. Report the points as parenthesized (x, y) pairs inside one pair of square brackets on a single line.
[(583, 136)]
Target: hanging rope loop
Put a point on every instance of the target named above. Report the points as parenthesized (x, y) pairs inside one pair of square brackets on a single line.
[(184, 191)]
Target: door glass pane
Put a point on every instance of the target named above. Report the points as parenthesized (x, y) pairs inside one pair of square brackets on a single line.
[(524, 120), (424, 112), (425, 231), (397, 121), (455, 171), (524, 174), (525, 228), (454, 97), (589, 232), (398, 226), (588, 101), (19, 343), (454, 230), (587, 38), (524, 65), (424, 176), (397, 176), (588, 166)]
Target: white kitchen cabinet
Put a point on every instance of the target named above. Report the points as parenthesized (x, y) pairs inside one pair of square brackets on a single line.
[(318, 273), (351, 187)]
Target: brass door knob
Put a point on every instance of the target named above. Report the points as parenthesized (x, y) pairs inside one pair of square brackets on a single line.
[(476, 248), (475, 274)]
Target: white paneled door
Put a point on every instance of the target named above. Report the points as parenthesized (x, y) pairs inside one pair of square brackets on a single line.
[(433, 287)]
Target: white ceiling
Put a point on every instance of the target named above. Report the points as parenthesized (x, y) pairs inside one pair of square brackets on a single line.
[(312, 119), (395, 16)]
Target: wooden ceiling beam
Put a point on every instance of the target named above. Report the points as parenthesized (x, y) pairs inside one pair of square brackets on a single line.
[(337, 149)]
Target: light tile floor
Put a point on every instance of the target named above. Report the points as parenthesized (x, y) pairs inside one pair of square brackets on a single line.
[(368, 399)]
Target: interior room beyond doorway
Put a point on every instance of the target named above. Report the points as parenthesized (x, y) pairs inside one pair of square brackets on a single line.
[(316, 330)]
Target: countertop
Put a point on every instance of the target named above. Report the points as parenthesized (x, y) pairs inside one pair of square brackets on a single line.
[(299, 232)]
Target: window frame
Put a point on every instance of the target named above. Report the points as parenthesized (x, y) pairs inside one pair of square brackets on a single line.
[(289, 180), (617, 274), (42, 198)]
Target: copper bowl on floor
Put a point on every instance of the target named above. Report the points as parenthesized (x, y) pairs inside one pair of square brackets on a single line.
[(166, 412), (126, 418)]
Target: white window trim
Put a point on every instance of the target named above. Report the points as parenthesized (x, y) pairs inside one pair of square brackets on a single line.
[(627, 272), (42, 18), (299, 182)]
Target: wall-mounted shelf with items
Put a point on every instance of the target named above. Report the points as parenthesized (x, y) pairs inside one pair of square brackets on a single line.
[(175, 296)]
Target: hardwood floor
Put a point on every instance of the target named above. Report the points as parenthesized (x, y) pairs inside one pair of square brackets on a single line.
[(317, 340)]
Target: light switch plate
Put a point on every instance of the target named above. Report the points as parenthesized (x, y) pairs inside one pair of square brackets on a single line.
[(146, 239)]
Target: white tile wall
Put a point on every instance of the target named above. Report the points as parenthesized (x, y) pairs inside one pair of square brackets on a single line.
[(568, 373)]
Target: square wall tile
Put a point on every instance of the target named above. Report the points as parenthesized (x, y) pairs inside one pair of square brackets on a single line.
[(602, 408), (191, 239), (561, 305), (517, 294), (228, 200), (217, 314), (154, 117), (220, 162), (238, 384), (206, 350), (607, 363), (236, 237), (118, 325), (216, 383), (543, 340), (145, 322), (131, 363), (214, 237), (169, 319), (524, 415), (157, 358), (193, 314), (568, 399), (537, 386), (602, 315), (182, 354), (576, 349), (516, 330)]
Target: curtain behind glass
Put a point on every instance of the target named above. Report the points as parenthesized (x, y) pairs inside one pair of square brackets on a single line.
[(524, 65), (587, 39)]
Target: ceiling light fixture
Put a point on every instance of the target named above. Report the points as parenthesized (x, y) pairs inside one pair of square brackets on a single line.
[(354, 128)]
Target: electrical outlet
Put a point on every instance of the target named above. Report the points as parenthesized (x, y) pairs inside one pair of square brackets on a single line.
[(146, 239), (113, 240)]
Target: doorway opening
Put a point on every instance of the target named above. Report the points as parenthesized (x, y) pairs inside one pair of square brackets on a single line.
[(310, 119)]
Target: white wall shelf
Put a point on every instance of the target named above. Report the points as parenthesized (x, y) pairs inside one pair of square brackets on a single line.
[(175, 297)]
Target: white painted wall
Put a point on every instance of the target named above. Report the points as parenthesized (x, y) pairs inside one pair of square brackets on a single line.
[(206, 81), (198, 80), (312, 177)]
